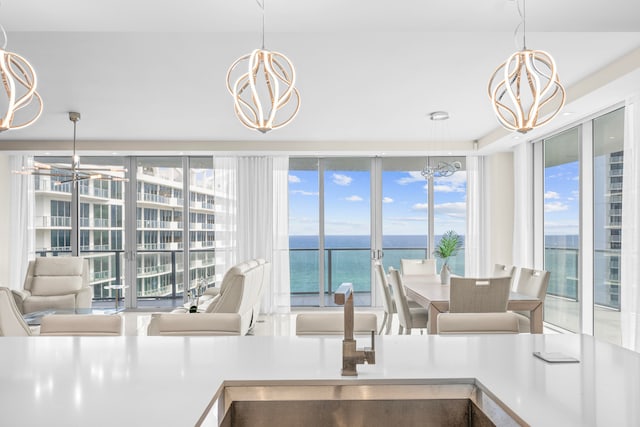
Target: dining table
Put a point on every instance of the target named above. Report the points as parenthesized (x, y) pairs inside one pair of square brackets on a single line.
[(434, 296)]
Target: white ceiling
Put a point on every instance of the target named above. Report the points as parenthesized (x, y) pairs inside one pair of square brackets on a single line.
[(369, 72)]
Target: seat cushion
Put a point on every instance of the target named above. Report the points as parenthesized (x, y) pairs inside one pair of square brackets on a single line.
[(39, 303), (82, 325), (168, 324), (333, 323)]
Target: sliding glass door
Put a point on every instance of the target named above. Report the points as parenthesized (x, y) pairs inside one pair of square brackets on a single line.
[(347, 227), (346, 213), (562, 228)]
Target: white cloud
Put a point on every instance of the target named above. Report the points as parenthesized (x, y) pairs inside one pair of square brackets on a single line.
[(551, 195), (340, 179), (555, 207), (415, 176), (452, 209), (455, 183), (353, 198), (420, 206), (294, 179), (304, 193), (387, 200)]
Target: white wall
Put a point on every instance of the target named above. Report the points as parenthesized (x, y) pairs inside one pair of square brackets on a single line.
[(499, 168), (5, 227)]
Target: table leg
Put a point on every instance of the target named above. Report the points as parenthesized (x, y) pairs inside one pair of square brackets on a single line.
[(117, 297), (535, 320)]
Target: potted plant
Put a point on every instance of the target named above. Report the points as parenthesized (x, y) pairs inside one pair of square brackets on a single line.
[(448, 246)]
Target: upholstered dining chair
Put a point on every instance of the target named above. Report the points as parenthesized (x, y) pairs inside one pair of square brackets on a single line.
[(502, 270), (408, 317), (11, 322), (388, 303), (333, 323), (477, 323), (469, 295), (533, 283), (421, 267)]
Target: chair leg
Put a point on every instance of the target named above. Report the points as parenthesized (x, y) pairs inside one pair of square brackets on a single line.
[(384, 322), (407, 331), (389, 322), (400, 330)]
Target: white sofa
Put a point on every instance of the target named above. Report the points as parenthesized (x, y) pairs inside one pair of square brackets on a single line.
[(55, 283), (240, 292)]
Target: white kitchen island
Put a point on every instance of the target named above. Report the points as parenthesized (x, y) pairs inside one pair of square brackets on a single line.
[(170, 381)]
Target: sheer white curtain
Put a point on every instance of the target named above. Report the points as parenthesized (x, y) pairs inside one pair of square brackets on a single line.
[(225, 170), (256, 220), (630, 271), (477, 244), (523, 205), (22, 204)]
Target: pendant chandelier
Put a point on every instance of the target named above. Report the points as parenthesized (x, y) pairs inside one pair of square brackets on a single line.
[(266, 87), (440, 170), (19, 82), (64, 173), (525, 90)]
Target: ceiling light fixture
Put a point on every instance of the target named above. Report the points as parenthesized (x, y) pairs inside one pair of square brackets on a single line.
[(529, 78), (441, 169), (19, 81), (63, 173), (267, 86)]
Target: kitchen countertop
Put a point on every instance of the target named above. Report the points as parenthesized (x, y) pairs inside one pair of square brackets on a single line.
[(102, 381)]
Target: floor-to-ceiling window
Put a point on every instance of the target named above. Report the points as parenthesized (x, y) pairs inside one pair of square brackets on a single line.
[(608, 164), (562, 228), (159, 209), (346, 212), (304, 231), (583, 183)]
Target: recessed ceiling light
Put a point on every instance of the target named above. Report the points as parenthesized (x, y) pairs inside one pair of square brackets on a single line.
[(516, 137), (567, 113), (439, 115), (449, 153), (612, 137)]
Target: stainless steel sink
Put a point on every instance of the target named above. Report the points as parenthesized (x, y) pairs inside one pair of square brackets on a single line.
[(436, 403)]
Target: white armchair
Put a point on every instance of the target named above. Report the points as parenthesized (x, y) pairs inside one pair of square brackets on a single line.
[(55, 283)]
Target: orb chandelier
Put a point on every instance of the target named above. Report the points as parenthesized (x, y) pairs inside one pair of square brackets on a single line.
[(63, 173), (19, 82), (265, 88), (525, 90)]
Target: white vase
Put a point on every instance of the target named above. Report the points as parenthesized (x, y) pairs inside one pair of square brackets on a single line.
[(445, 274)]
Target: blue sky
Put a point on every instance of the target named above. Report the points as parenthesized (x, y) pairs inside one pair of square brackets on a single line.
[(348, 203), (561, 199)]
